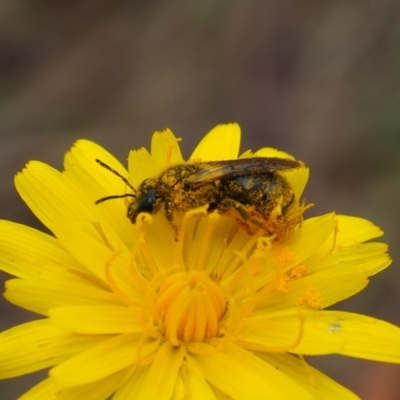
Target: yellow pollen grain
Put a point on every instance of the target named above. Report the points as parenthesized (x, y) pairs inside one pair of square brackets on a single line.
[(277, 211), (298, 272), (311, 299), (285, 257), (282, 284), (256, 270)]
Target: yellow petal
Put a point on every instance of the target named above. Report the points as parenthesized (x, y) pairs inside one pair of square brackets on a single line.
[(102, 389), (301, 244), (350, 232), (165, 150), (297, 179), (350, 334), (45, 389), (37, 345), (141, 166), (26, 252), (112, 355), (191, 384), (53, 197), (354, 230), (39, 295), (331, 332), (160, 380), (97, 182), (132, 386), (160, 242), (306, 240), (101, 249), (320, 386), (271, 152), (332, 278), (80, 166), (257, 380), (221, 143), (328, 288), (97, 319), (370, 258), (49, 194)]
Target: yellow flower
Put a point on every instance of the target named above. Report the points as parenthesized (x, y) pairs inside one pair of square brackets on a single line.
[(136, 311)]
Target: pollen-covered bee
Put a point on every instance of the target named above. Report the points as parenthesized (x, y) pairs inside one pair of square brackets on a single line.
[(252, 190)]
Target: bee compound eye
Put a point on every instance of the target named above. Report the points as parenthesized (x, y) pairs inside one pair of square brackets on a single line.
[(147, 205), (147, 201)]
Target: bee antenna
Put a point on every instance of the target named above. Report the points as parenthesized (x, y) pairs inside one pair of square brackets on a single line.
[(104, 165), (118, 196)]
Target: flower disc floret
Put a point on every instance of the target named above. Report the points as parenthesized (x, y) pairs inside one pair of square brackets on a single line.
[(190, 306)]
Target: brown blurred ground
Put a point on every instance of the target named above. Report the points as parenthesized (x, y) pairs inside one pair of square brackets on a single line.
[(320, 80)]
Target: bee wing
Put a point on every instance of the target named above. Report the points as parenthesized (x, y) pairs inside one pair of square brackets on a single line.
[(244, 166)]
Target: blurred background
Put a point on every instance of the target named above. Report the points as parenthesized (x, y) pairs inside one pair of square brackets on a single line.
[(318, 79)]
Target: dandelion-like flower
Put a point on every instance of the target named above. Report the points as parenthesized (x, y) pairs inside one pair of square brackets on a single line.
[(204, 310)]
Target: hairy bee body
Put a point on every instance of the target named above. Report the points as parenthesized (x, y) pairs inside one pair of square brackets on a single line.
[(251, 190)]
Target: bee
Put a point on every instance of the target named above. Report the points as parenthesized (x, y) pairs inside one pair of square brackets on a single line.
[(251, 190)]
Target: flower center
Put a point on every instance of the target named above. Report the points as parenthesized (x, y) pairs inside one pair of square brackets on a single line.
[(190, 306)]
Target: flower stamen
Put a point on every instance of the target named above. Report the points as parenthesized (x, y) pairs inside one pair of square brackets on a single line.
[(236, 261), (103, 236), (113, 284), (211, 223)]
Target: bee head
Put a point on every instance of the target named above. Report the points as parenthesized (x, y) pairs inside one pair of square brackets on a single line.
[(145, 202)]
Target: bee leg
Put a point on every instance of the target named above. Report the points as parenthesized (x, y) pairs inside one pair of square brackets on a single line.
[(243, 214), (170, 217)]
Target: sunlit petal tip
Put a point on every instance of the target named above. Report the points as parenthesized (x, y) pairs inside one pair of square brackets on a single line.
[(298, 178), (357, 230), (221, 143), (165, 150), (272, 152), (84, 152)]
